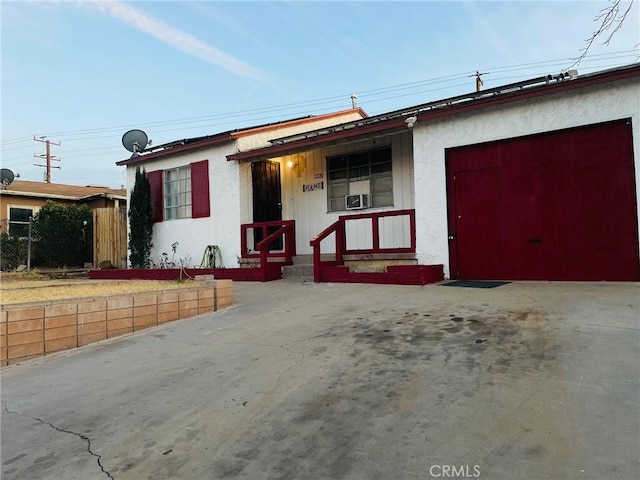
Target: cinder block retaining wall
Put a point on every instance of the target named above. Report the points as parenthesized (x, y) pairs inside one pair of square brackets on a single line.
[(35, 329)]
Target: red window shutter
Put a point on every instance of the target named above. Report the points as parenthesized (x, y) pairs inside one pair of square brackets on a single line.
[(200, 189), (157, 206)]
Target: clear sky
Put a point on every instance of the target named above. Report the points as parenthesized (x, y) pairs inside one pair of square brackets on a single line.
[(83, 72)]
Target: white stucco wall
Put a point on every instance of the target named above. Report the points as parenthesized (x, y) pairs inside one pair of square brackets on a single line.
[(230, 193), (221, 228), (577, 108)]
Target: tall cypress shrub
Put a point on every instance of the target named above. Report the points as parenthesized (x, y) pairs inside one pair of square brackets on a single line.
[(140, 222)]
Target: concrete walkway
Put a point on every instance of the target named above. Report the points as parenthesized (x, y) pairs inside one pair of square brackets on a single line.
[(325, 381)]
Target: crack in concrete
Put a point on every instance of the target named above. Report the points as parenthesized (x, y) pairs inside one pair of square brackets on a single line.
[(62, 430), (292, 366)]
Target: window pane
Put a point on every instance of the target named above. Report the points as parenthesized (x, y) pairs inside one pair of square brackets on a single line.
[(177, 193), (336, 204), (381, 184), (380, 168), (381, 199), (373, 165), (337, 174), (20, 214), (359, 159), (381, 155), (336, 163), (358, 173), (19, 230), (339, 189), (170, 213)]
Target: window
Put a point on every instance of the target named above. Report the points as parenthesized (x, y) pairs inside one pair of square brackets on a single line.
[(362, 172), (19, 221), (181, 192), (177, 193)]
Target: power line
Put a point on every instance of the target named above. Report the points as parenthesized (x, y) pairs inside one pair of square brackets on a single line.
[(47, 157), (328, 103)]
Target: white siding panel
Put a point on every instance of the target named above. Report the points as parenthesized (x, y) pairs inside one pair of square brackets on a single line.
[(359, 234), (309, 209), (395, 232)]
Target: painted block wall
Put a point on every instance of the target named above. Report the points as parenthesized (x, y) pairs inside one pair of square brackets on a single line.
[(32, 330), (430, 141)]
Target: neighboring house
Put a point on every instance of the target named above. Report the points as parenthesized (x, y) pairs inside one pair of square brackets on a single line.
[(200, 199), (534, 180), (22, 199)]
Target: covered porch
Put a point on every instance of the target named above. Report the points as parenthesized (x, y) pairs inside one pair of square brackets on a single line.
[(340, 210)]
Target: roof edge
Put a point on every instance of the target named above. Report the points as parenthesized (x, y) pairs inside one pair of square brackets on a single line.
[(391, 120), (300, 121)]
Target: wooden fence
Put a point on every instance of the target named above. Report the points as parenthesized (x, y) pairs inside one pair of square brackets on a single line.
[(110, 236)]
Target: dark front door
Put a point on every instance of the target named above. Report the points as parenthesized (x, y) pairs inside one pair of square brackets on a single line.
[(267, 199)]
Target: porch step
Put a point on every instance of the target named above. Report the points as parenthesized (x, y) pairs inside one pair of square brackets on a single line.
[(308, 259), (302, 271)]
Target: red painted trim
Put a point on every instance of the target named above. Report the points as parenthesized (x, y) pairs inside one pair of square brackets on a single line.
[(339, 231), (236, 274), (157, 203), (223, 138), (273, 151), (395, 275), (230, 136), (395, 123), (270, 270), (200, 205)]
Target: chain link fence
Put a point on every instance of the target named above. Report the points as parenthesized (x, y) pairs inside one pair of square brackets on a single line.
[(47, 242)]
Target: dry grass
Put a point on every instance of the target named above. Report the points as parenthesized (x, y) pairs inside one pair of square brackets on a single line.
[(31, 288)]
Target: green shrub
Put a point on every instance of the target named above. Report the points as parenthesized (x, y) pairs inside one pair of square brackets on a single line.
[(13, 252), (63, 235)]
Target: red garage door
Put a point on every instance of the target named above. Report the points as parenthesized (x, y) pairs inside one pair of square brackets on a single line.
[(558, 206)]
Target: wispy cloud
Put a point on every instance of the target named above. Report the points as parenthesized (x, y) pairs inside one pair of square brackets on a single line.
[(179, 39)]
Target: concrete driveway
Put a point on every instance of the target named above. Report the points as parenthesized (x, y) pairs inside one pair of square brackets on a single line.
[(326, 381)]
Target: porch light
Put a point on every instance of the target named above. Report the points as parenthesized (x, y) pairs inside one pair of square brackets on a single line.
[(290, 164)]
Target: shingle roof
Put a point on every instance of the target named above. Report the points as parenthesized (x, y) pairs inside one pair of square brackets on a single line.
[(194, 143), (57, 190)]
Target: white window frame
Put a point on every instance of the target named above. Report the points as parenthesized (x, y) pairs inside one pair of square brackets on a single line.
[(356, 179), (34, 211), (176, 192)]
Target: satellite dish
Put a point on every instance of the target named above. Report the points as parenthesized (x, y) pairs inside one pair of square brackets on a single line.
[(6, 177), (135, 141)]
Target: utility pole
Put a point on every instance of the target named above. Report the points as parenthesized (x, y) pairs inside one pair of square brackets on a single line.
[(47, 156), (479, 82)]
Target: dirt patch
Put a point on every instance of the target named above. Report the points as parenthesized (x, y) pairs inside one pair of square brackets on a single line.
[(24, 290)]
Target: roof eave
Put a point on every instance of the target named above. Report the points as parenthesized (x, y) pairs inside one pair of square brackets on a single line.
[(227, 137), (286, 148)]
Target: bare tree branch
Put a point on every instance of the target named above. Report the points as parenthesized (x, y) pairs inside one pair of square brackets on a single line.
[(610, 17)]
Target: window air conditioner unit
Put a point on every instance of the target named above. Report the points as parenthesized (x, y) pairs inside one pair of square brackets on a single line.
[(356, 202)]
